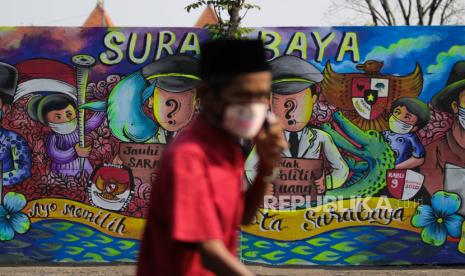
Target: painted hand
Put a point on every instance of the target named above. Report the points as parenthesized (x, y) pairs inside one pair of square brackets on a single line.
[(270, 143), (320, 185), (82, 152)]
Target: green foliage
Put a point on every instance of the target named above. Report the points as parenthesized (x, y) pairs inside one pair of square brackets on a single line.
[(229, 17)]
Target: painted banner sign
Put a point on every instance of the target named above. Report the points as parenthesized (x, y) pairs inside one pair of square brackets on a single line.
[(375, 119)]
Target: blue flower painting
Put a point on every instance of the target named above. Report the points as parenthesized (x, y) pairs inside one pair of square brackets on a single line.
[(12, 220), (440, 219)]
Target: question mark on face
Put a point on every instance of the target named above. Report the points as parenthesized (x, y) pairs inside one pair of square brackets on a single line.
[(175, 104), (291, 106)]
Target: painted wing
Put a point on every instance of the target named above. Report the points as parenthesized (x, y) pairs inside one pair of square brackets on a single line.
[(120, 188), (336, 88), (100, 183), (405, 86)]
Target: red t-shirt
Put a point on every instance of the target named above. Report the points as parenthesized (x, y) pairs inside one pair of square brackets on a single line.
[(197, 197)]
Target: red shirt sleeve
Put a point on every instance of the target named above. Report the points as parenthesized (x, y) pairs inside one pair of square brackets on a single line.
[(195, 218)]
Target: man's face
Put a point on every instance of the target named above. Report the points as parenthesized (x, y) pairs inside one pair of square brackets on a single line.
[(248, 88), (294, 110), (173, 111), (405, 116), (64, 115), (243, 104)]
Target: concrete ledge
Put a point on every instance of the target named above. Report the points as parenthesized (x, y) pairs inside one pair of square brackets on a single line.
[(129, 270)]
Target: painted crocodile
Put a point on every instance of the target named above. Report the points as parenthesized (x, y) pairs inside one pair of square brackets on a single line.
[(369, 175)]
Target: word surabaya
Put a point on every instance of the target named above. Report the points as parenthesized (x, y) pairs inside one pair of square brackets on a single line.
[(382, 216), (140, 48)]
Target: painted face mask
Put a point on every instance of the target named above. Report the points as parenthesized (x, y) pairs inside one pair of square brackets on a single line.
[(64, 128), (462, 117), (244, 120), (398, 126)]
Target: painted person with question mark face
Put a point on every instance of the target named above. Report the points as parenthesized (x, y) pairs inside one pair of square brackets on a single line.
[(174, 96), (293, 97), (197, 201)]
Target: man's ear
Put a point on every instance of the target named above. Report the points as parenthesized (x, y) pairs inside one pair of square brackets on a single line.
[(151, 102), (455, 107)]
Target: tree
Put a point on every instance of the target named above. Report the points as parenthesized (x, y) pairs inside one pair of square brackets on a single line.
[(229, 13), (404, 12)]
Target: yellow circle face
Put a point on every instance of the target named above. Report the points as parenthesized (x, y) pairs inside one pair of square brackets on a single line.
[(294, 110), (173, 111)]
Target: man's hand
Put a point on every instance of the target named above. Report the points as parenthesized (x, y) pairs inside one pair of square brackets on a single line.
[(82, 152), (320, 184), (217, 259), (270, 143)]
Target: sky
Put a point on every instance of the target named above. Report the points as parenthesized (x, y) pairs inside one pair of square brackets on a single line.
[(157, 13), (436, 50)]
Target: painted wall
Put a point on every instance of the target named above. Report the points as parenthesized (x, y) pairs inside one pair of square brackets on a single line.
[(375, 119)]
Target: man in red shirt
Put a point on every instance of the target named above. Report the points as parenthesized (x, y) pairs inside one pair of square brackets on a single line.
[(198, 201)]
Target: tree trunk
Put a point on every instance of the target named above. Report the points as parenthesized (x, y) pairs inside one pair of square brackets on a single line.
[(235, 20)]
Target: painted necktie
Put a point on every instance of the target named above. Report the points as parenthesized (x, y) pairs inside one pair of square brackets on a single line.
[(294, 144), (169, 136)]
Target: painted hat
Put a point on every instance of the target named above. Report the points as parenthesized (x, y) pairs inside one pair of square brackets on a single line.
[(36, 105), (232, 57), (45, 76), (454, 85), (176, 73), (8, 80), (292, 74)]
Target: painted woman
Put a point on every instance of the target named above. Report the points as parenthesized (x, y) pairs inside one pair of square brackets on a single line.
[(162, 94)]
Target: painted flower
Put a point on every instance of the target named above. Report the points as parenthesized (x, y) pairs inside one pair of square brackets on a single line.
[(11, 218), (138, 207), (439, 219), (102, 145)]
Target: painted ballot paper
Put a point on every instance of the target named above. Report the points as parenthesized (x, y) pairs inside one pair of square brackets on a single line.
[(296, 178), (142, 159), (404, 184), (374, 118)]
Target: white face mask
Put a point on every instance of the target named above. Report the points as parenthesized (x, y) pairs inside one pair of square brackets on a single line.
[(462, 117), (64, 128), (244, 120), (398, 126)]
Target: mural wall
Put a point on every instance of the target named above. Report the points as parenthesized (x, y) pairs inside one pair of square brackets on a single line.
[(375, 174)]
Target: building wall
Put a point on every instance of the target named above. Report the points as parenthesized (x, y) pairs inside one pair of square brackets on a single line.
[(76, 181)]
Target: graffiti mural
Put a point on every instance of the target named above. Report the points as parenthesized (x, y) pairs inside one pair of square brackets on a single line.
[(375, 119)]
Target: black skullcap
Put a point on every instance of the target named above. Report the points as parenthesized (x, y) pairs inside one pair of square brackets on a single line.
[(232, 57), (8, 81), (292, 74), (176, 73)]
